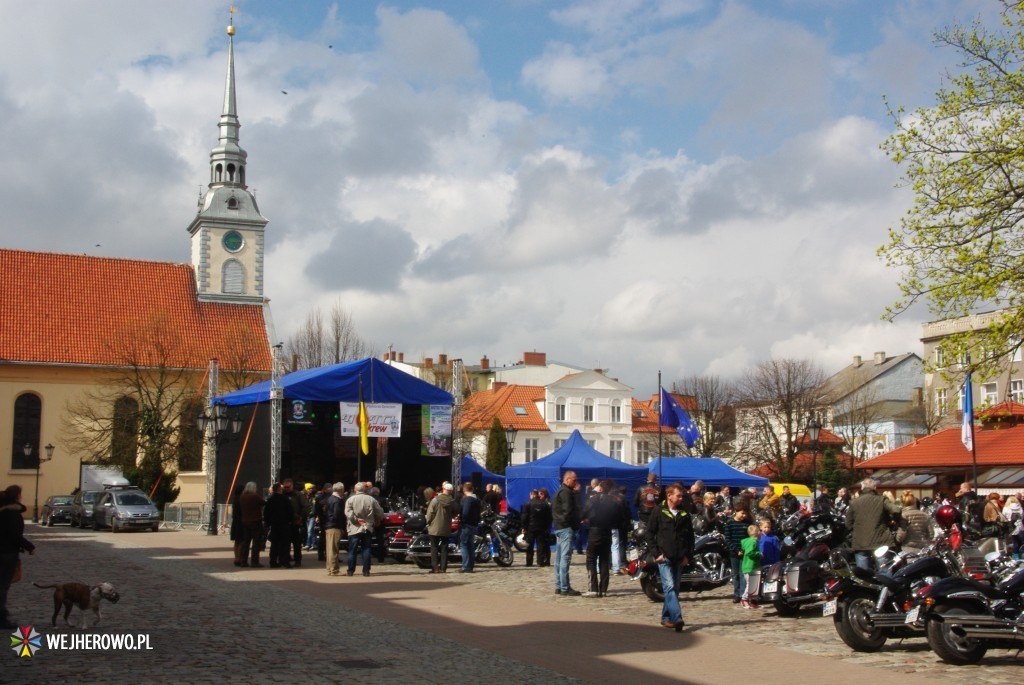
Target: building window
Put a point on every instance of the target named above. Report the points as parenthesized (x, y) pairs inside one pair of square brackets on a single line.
[(1017, 390), (616, 412), (940, 402), (989, 393), (28, 412), (124, 440), (559, 443), (615, 449), (233, 278), (560, 409), (531, 449), (588, 411), (592, 443), (643, 452), (1015, 343), (940, 357)]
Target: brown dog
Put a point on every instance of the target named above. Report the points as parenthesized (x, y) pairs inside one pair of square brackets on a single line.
[(82, 596)]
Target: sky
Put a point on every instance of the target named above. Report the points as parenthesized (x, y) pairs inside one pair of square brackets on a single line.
[(683, 186)]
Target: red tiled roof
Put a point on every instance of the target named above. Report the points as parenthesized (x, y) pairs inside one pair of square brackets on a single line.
[(480, 409), (81, 310), (826, 439), (995, 446), (648, 422), (804, 464)]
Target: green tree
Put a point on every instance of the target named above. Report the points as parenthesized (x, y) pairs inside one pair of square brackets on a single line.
[(497, 448), (830, 473), (961, 246)]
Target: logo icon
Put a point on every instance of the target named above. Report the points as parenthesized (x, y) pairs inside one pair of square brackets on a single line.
[(25, 641)]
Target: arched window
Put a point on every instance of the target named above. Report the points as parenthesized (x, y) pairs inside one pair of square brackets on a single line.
[(124, 434), (231, 173), (233, 278), (218, 173), (28, 411), (588, 411), (560, 409)]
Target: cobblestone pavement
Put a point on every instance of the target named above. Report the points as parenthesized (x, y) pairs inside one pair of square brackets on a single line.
[(208, 621)]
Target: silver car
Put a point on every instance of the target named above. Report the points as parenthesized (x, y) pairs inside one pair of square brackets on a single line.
[(125, 509)]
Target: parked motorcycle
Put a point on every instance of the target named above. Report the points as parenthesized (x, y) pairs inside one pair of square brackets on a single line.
[(870, 607), (799, 580), (708, 566), (966, 616), (492, 543)]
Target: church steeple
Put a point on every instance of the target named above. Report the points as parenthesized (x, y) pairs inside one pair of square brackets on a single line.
[(227, 233)]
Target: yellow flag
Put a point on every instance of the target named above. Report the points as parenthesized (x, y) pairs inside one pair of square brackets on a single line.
[(364, 428)]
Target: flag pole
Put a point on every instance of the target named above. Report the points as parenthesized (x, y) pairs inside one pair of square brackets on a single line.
[(661, 454)]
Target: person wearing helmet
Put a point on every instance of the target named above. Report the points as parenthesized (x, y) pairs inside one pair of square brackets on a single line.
[(868, 517)]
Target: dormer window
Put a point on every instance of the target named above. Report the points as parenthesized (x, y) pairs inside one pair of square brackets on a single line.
[(232, 202)]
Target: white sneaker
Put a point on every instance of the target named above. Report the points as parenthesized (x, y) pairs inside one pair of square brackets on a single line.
[(590, 594)]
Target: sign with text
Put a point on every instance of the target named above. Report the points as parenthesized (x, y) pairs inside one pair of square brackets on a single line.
[(385, 419), (436, 427)]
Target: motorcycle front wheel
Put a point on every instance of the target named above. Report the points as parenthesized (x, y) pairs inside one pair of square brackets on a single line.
[(651, 585), (505, 556), (422, 562), (950, 647), (854, 626)]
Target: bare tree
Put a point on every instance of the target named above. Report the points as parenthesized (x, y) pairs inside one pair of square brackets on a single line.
[(316, 344), (855, 414), (713, 414), (775, 399)]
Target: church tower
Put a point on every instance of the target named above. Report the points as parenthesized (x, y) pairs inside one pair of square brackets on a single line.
[(227, 233)]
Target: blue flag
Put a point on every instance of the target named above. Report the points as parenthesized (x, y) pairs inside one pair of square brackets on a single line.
[(674, 416), (967, 428)]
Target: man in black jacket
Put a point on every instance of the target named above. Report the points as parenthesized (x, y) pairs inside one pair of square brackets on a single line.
[(670, 538), (469, 521), (537, 528), (565, 510)]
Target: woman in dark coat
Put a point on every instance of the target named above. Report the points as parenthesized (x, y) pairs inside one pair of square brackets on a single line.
[(12, 543)]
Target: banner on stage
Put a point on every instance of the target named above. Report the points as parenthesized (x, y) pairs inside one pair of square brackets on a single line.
[(385, 419)]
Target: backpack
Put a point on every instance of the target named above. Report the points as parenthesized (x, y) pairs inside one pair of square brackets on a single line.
[(649, 497)]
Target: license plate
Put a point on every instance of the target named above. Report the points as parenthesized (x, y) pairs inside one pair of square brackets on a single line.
[(830, 607), (771, 587), (912, 615), (632, 555)]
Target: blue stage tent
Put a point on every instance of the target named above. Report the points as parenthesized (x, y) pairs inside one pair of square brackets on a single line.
[(341, 383), (575, 455), (714, 472), (470, 466)]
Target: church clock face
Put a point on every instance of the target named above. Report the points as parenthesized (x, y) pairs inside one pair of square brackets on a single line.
[(233, 241)]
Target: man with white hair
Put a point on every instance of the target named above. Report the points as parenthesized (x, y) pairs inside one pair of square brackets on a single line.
[(362, 514), (440, 512), (868, 517)]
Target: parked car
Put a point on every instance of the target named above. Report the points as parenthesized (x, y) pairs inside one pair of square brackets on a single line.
[(57, 509), (81, 508), (124, 508)]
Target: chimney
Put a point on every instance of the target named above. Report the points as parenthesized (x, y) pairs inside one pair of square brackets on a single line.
[(428, 362), (535, 358), (879, 358), (401, 357), (485, 363), (442, 359), (857, 361)]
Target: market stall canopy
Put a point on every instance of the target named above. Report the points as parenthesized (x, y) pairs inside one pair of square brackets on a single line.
[(341, 382), (575, 455), (714, 472), (470, 466)]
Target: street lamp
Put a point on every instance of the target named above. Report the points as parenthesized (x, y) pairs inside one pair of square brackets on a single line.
[(218, 421), (39, 462), (510, 440), (814, 430)]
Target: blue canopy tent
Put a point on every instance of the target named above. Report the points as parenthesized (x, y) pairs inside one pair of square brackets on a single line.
[(714, 472), (575, 455), (340, 383), (470, 466), (311, 449)]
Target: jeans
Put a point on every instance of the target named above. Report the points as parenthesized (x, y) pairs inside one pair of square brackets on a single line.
[(616, 552), (362, 541), (563, 557), (467, 546), (310, 536), (739, 579), (669, 572)]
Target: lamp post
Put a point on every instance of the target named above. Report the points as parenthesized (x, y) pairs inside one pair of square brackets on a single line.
[(39, 463), (218, 421), (814, 430), (510, 440)]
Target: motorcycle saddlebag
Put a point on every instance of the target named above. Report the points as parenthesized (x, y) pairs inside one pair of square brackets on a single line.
[(415, 523), (803, 577)]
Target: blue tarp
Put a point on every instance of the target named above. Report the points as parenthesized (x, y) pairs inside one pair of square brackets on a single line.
[(714, 472), (470, 466), (341, 382), (575, 455)]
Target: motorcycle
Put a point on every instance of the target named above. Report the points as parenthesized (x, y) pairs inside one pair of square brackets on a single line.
[(965, 616), (491, 543), (868, 608), (708, 566), (799, 580)]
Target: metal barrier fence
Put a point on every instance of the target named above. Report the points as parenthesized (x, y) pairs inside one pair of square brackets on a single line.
[(194, 515)]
